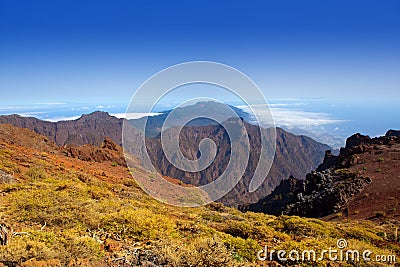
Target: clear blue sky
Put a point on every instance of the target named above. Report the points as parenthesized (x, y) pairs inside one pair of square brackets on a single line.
[(99, 51)]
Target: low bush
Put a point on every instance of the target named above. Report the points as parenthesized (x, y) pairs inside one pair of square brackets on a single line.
[(36, 173)]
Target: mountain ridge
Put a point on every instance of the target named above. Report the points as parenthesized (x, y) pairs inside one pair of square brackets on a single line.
[(295, 155)]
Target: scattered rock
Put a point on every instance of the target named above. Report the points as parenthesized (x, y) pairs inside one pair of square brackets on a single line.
[(6, 178)]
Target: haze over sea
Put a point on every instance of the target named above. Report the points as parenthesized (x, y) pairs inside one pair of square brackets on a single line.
[(327, 121)]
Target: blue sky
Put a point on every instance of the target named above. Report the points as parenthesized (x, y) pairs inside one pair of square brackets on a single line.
[(329, 68), (101, 51)]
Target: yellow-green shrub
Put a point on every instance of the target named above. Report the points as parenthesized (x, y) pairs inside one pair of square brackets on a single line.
[(200, 252), (22, 249), (304, 227), (245, 248), (138, 223), (36, 173)]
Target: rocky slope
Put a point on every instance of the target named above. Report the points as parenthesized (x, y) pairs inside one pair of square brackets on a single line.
[(361, 182), (107, 151), (26, 138)]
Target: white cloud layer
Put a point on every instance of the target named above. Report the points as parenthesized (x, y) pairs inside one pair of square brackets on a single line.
[(137, 115), (299, 121), (130, 116), (64, 118), (290, 118)]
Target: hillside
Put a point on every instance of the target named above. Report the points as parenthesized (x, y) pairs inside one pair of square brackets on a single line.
[(362, 182), (65, 211), (295, 155)]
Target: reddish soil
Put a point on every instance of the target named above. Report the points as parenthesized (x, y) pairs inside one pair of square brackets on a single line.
[(381, 199)]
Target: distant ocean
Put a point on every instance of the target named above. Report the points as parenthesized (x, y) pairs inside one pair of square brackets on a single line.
[(327, 121)]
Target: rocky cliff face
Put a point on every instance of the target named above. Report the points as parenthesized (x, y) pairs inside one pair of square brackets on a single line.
[(321, 194), (338, 182)]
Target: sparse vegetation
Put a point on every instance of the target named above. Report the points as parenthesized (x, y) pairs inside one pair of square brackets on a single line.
[(114, 164), (74, 215), (36, 173)]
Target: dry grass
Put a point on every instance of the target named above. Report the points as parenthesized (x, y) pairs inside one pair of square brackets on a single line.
[(106, 220)]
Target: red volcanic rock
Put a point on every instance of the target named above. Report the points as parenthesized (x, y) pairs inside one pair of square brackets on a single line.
[(108, 151)]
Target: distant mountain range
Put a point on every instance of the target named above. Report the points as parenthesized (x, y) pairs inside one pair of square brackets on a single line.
[(183, 115), (92, 128), (88, 129), (295, 155)]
